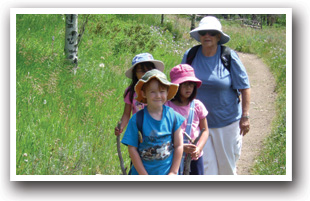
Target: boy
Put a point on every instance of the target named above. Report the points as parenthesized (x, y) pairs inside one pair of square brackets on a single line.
[(159, 150)]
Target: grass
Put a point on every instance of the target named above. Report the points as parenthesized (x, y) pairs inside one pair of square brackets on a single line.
[(65, 121)]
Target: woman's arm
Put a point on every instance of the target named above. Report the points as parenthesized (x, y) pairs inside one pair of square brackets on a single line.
[(136, 160), (124, 120), (245, 118), (178, 151)]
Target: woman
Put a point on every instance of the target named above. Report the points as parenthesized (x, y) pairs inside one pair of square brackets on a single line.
[(228, 117)]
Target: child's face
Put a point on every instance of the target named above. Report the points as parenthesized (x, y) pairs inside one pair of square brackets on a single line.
[(140, 71), (142, 68), (186, 89), (155, 93)]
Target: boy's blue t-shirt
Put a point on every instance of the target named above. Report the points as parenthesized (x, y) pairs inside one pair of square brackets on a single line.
[(217, 90), (156, 150)]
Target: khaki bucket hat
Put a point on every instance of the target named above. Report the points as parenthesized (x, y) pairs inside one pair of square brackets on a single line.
[(160, 76)]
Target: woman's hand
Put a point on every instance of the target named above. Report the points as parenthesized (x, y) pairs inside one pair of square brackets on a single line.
[(244, 126), (245, 121)]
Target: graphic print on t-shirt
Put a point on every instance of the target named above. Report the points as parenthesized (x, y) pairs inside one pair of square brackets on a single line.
[(155, 147), (139, 105)]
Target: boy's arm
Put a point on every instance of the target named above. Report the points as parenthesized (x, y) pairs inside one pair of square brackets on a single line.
[(178, 151), (136, 160)]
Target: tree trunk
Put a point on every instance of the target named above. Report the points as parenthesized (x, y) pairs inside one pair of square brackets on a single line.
[(193, 21), (162, 19), (71, 38)]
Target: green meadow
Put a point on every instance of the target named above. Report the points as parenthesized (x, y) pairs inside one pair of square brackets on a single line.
[(65, 121)]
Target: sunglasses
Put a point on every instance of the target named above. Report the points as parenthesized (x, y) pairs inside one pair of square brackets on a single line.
[(211, 33)]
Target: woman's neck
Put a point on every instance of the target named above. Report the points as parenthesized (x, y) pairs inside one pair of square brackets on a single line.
[(209, 51)]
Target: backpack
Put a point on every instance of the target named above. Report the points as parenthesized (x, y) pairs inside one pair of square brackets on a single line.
[(225, 58)]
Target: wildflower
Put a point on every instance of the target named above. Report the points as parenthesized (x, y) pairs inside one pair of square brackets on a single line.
[(26, 161), (25, 154), (101, 65), (44, 102)]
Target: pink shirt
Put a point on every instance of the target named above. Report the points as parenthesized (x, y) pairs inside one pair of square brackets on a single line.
[(200, 112), (135, 105)]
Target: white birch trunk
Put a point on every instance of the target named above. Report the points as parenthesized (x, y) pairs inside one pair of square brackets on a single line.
[(71, 38)]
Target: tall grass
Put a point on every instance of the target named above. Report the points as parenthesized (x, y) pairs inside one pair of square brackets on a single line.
[(65, 121)]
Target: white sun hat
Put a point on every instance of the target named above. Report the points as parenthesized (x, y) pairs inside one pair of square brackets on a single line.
[(210, 23)]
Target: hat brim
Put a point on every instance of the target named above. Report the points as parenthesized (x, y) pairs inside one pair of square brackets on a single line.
[(173, 88), (187, 79), (158, 65), (224, 37)]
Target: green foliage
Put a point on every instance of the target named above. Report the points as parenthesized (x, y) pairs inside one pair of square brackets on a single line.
[(65, 121)]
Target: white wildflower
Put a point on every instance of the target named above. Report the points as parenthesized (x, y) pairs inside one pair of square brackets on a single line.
[(44, 102), (26, 161), (101, 65), (25, 154)]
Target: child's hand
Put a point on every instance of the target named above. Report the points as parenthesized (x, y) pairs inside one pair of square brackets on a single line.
[(118, 131), (189, 148), (195, 155)]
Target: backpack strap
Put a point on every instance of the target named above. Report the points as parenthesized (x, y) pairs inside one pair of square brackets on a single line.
[(226, 60), (190, 120), (226, 56), (191, 54), (139, 121), (188, 131)]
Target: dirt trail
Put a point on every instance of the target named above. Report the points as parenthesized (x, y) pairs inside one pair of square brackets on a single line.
[(262, 110)]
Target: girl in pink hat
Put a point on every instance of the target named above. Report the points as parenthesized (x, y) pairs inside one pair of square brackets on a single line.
[(194, 111)]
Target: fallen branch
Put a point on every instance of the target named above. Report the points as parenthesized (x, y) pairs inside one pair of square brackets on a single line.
[(188, 157), (121, 161)]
